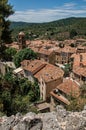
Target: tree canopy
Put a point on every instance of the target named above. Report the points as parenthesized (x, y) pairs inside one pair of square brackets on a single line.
[(17, 94), (5, 12), (9, 54), (23, 54)]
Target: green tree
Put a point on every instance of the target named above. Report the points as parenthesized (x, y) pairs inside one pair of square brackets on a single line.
[(34, 93), (25, 86), (67, 70), (5, 12), (83, 91), (73, 33), (6, 98), (16, 94), (26, 53), (9, 54)]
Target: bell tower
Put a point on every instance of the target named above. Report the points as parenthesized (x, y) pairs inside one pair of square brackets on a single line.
[(21, 40)]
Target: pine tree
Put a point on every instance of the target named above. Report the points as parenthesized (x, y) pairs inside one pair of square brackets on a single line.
[(5, 12)]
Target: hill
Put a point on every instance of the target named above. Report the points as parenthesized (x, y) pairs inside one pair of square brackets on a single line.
[(59, 29)]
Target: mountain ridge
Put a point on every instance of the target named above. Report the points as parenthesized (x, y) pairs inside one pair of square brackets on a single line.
[(52, 29)]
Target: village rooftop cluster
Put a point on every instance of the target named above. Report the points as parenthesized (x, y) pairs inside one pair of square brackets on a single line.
[(48, 68)]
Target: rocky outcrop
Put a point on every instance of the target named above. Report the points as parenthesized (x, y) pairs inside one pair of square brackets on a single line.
[(58, 120)]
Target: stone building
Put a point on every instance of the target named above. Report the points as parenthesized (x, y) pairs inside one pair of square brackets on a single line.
[(81, 49), (79, 67), (48, 75), (63, 54), (21, 40)]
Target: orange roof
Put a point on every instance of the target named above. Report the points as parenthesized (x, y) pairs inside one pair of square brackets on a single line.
[(76, 60), (42, 69), (45, 47), (69, 49), (69, 87), (34, 49), (69, 41), (28, 42), (60, 97), (66, 49), (45, 51), (49, 73), (79, 59), (80, 71), (33, 66), (81, 47), (80, 40), (13, 45)]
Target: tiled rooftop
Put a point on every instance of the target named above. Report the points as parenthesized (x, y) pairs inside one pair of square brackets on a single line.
[(49, 73), (66, 49), (13, 45), (69, 49), (45, 51), (42, 69), (80, 71), (69, 87), (79, 64), (33, 66)]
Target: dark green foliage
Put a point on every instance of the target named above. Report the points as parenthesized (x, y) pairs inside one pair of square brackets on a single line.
[(34, 92), (73, 33), (16, 94), (83, 90), (6, 33), (6, 99), (25, 86), (67, 70), (2, 52), (9, 54), (8, 77), (5, 12), (26, 53), (73, 45)]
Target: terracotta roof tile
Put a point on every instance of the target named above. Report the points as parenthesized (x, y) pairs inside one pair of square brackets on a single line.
[(69, 87), (42, 69), (33, 66), (49, 73), (69, 49), (79, 61)]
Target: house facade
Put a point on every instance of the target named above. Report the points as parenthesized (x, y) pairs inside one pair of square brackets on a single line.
[(79, 67), (48, 75), (63, 54)]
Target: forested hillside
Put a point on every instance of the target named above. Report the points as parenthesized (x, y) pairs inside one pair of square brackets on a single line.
[(60, 29)]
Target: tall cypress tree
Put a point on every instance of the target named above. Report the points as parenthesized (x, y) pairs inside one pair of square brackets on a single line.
[(5, 12)]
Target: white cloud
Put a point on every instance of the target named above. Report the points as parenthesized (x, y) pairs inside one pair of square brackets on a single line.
[(70, 4), (46, 15)]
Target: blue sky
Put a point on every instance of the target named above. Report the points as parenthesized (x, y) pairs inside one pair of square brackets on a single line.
[(46, 10)]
